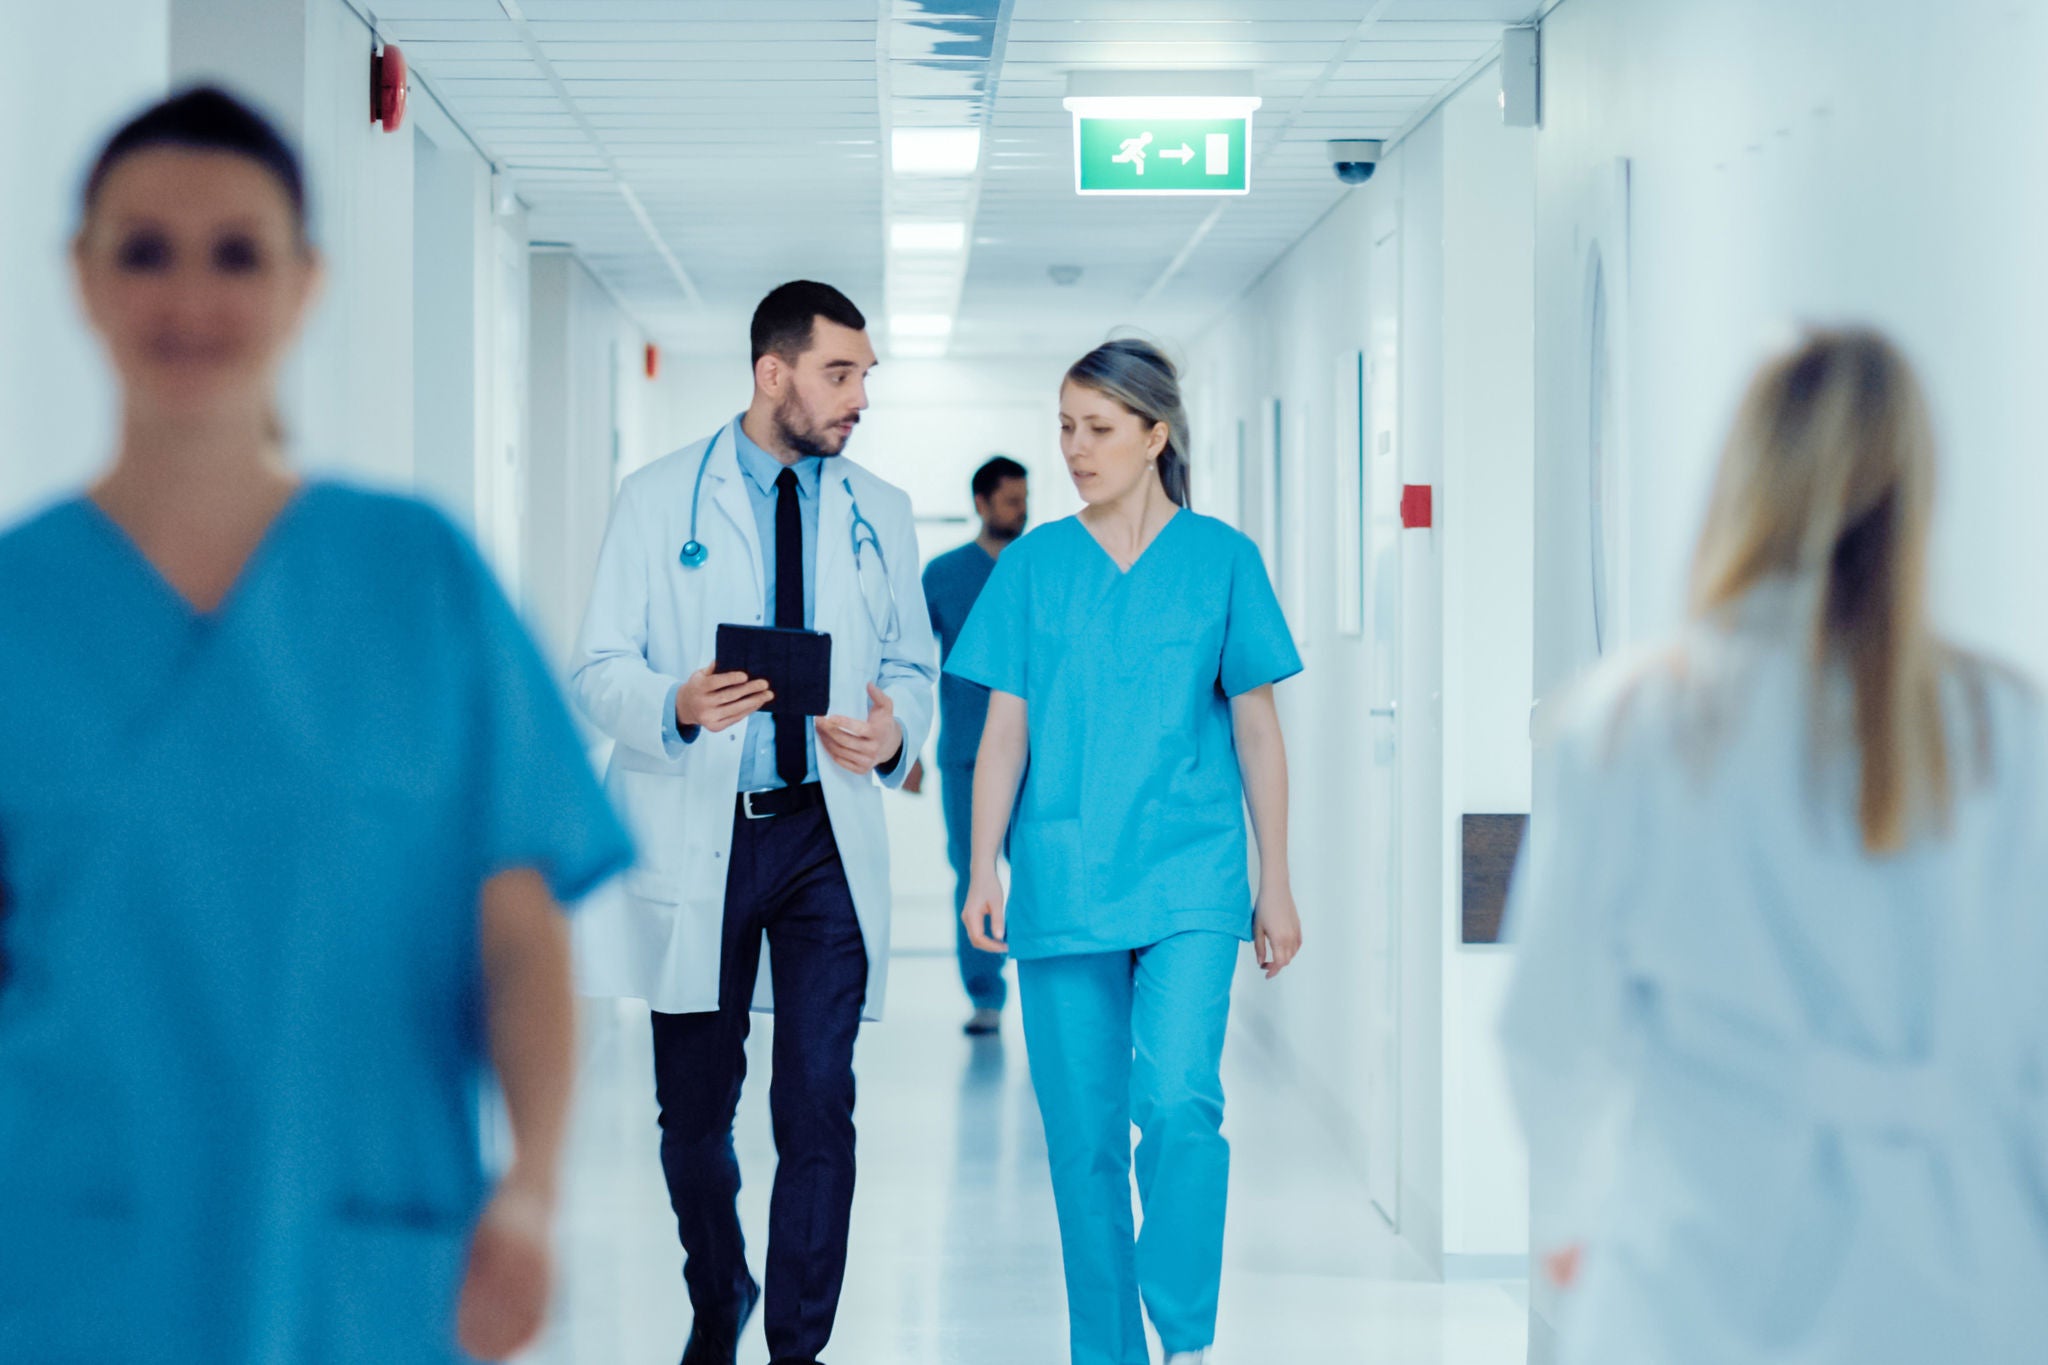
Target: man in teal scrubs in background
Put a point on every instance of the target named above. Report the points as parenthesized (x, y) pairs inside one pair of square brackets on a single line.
[(952, 582)]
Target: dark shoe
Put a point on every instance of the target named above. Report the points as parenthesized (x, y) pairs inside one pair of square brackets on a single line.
[(718, 1343), (983, 1023)]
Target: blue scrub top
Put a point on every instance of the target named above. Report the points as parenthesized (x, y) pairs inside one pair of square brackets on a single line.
[(1129, 825), (241, 1032), (952, 584)]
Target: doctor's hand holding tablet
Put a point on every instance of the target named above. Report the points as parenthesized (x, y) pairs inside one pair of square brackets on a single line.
[(715, 701), (715, 698)]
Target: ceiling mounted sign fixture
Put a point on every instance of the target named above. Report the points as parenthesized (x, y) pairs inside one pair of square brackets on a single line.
[(1162, 132)]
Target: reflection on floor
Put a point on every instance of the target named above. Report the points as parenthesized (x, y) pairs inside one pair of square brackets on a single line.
[(955, 1253)]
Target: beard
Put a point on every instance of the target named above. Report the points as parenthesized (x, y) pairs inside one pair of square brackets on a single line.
[(1004, 531), (802, 434)]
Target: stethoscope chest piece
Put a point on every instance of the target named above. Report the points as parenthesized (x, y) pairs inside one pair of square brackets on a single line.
[(694, 554)]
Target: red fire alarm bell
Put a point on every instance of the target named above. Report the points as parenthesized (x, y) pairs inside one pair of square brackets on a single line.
[(1417, 506), (653, 360), (388, 87)]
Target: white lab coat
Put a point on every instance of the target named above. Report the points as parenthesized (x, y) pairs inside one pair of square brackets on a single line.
[(1788, 1097), (656, 935)]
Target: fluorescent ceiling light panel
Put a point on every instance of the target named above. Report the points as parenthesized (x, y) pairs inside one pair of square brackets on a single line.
[(927, 236), (917, 348), (935, 151), (921, 325)]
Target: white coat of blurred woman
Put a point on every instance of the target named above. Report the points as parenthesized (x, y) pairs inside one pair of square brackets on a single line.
[(1777, 1030)]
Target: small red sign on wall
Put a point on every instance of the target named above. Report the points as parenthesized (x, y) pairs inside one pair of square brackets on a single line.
[(1418, 506)]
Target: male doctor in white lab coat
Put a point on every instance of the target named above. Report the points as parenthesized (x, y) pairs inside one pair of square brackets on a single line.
[(754, 825)]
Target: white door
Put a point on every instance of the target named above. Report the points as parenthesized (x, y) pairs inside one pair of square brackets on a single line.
[(1383, 768)]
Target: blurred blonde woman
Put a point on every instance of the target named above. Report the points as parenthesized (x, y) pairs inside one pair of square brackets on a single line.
[(1776, 1031)]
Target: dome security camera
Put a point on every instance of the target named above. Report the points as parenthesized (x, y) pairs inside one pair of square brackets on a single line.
[(1354, 159)]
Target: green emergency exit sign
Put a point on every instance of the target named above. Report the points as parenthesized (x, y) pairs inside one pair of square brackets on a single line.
[(1162, 156)]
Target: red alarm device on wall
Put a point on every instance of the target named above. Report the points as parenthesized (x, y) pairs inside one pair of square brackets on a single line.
[(1418, 506), (388, 87)]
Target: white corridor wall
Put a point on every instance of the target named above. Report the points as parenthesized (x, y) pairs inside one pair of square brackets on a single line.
[(348, 393), (1457, 192), (594, 417), (1872, 160), (56, 402)]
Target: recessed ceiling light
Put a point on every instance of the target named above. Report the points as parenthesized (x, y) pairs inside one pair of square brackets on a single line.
[(917, 348), (921, 324), (927, 236), (935, 151)]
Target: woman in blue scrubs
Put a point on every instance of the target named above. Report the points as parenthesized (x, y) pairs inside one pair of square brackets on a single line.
[(287, 803), (1132, 652)]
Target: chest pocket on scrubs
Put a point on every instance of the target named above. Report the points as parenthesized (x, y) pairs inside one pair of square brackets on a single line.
[(1181, 662)]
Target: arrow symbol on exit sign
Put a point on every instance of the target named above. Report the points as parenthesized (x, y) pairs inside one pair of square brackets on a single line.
[(1183, 153)]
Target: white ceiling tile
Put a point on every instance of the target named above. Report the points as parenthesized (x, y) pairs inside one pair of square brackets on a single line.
[(1328, 10), (1435, 72), (1275, 27), (764, 49), (600, 12), (476, 11), (1496, 11), (497, 28), (752, 134), (693, 30), (1483, 31), (1463, 51)]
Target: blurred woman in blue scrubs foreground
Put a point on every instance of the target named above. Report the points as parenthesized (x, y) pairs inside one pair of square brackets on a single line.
[(1132, 653), (287, 800), (1777, 1030)]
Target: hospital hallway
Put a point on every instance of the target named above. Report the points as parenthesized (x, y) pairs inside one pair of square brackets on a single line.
[(955, 1253), (1461, 298)]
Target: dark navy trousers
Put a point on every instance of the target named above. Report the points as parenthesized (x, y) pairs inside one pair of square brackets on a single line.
[(785, 885)]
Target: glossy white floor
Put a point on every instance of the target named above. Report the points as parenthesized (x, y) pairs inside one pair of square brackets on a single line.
[(955, 1255)]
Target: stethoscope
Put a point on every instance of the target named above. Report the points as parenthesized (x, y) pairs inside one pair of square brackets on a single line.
[(875, 589)]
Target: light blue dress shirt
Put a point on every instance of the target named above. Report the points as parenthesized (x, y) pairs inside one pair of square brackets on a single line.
[(759, 470)]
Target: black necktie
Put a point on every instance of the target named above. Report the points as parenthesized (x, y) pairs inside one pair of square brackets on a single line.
[(791, 762)]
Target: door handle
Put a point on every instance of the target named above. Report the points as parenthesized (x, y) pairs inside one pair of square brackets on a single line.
[(1384, 712)]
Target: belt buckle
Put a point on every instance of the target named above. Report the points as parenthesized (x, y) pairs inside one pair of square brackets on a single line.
[(747, 806)]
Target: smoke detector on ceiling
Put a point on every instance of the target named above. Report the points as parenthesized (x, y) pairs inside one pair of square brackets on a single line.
[(1064, 275)]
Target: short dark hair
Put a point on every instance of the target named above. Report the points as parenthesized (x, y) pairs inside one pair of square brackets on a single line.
[(786, 320), (990, 476), (205, 119)]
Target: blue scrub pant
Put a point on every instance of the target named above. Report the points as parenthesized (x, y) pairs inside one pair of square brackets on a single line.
[(980, 972), (1116, 1039)]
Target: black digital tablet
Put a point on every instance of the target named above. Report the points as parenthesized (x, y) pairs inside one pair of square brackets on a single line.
[(796, 663)]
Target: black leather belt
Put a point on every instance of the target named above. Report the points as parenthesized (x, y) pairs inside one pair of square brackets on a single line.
[(781, 801)]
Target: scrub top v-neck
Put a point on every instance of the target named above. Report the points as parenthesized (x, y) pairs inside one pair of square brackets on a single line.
[(240, 858), (1129, 825)]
